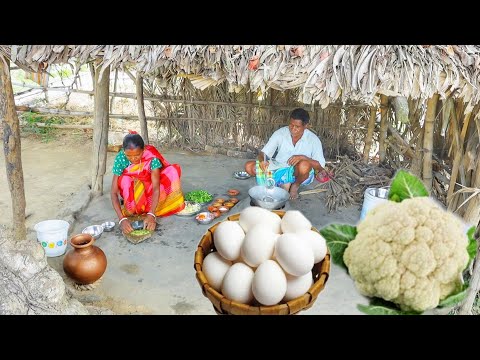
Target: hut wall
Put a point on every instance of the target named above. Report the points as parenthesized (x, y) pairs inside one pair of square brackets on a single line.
[(244, 120)]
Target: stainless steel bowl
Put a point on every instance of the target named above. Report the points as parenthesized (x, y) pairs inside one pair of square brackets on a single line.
[(137, 225), (108, 225), (208, 218), (270, 199), (241, 175), (94, 230)]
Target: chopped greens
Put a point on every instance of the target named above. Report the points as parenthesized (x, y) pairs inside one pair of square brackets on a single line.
[(199, 196), (140, 232)]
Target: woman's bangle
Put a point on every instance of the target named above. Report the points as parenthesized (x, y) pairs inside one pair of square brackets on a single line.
[(155, 216), (124, 218)]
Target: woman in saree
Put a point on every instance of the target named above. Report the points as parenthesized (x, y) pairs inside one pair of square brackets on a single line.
[(148, 184)]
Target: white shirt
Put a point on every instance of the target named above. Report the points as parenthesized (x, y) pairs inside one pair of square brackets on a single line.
[(308, 145)]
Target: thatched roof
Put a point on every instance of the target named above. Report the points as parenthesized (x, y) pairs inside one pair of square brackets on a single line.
[(326, 73)]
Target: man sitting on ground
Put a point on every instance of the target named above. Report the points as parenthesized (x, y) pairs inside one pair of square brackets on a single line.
[(299, 158)]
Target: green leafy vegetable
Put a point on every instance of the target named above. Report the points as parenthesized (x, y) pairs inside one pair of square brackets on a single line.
[(198, 196), (456, 297), (140, 232), (337, 237), (472, 246), (406, 186), (381, 307)]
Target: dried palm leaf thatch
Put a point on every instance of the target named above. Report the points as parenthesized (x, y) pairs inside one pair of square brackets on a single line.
[(325, 74)]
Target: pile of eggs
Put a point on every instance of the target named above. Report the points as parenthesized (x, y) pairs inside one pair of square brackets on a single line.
[(264, 257)]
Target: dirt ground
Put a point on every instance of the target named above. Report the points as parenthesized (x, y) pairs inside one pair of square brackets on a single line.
[(156, 276), (53, 172)]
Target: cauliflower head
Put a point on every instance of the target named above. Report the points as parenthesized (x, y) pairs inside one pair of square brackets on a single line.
[(411, 253)]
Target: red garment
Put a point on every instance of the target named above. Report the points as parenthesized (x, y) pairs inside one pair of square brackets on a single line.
[(136, 187)]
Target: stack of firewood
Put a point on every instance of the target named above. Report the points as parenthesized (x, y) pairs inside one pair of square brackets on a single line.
[(350, 180)]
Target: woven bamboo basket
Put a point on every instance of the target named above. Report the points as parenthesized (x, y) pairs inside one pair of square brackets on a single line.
[(224, 306)]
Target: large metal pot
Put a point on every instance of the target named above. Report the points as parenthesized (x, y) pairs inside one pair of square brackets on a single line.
[(271, 199)]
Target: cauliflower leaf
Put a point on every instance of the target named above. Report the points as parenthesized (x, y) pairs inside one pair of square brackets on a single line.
[(382, 307), (337, 237), (472, 244), (406, 186), (455, 298)]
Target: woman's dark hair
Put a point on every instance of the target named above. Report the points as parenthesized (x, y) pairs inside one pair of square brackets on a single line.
[(300, 114), (133, 141)]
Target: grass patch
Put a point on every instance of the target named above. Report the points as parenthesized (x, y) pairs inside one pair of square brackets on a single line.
[(46, 133)]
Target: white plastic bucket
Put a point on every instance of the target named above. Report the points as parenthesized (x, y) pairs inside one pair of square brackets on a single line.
[(372, 198), (52, 234)]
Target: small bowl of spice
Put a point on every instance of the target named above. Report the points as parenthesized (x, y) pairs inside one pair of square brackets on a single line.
[(223, 209), (204, 218)]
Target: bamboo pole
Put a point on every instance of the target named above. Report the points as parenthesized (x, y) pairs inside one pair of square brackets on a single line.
[(472, 213), (472, 216), (141, 109), (13, 151), (383, 127), (428, 141), (60, 126), (100, 131), (369, 137), (459, 139), (466, 307)]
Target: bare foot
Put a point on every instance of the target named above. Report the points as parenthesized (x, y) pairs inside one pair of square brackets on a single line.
[(294, 191)]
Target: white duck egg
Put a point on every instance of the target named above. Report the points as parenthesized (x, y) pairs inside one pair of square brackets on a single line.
[(228, 238), (297, 285), (253, 215), (294, 221), (269, 283), (274, 255), (237, 283), (258, 245), (317, 243), (294, 254), (215, 267)]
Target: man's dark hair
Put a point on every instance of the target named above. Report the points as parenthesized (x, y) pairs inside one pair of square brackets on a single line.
[(300, 114), (133, 141)]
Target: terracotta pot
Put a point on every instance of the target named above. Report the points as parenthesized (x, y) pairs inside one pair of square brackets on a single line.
[(85, 263)]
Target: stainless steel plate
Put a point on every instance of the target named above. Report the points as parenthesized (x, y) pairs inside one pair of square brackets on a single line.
[(192, 213)]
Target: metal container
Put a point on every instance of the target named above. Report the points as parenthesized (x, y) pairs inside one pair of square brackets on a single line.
[(208, 218), (271, 199), (108, 226), (94, 230), (137, 225)]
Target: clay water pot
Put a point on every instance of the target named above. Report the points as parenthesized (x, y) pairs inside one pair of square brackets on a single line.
[(85, 263)]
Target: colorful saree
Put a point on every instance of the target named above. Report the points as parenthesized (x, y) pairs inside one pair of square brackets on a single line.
[(136, 188)]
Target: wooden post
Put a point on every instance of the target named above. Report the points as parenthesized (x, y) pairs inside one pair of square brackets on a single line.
[(12, 149), (248, 127), (141, 109), (91, 66), (100, 130), (383, 127), (428, 141), (369, 137), (114, 90), (415, 110)]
